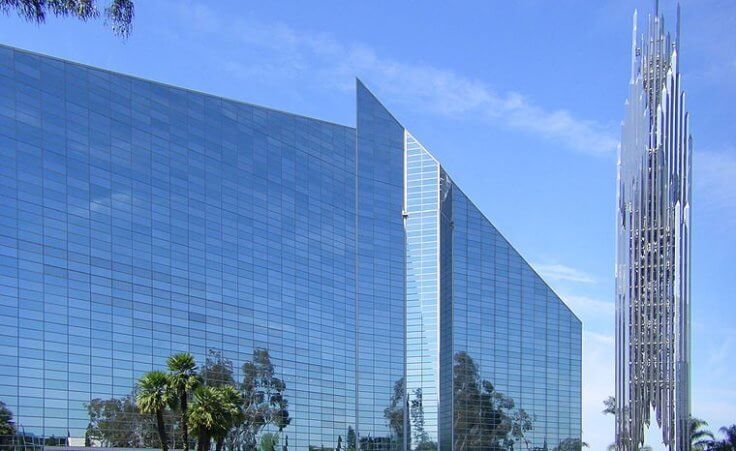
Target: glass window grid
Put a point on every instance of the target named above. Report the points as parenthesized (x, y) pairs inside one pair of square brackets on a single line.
[(139, 220)]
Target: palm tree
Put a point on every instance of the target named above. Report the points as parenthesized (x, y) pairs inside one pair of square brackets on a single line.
[(699, 436), (727, 444), (183, 378), (213, 413), (154, 395), (202, 416), (610, 406), (730, 433), (231, 412)]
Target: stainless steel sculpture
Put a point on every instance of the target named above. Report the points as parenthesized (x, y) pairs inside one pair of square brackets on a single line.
[(653, 246)]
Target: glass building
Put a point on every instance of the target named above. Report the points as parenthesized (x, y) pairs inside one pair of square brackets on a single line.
[(653, 245), (139, 219)]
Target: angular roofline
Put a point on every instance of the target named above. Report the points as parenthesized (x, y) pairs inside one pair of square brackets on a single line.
[(360, 84), (515, 250), (168, 85)]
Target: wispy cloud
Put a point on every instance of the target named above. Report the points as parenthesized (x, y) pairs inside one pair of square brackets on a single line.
[(277, 52), (719, 360), (559, 272), (594, 337), (590, 306)]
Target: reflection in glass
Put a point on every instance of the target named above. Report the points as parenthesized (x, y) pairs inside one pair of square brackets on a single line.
[(139, 220), (484, 418), (421, 212), (118, 422), (522, 338), (142, 220)]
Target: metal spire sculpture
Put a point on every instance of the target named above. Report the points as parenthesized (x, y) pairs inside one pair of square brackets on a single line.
[(653, 246)]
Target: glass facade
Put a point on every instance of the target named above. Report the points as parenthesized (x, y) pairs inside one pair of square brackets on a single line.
[(380, 267), (493, 355), (138, 220), (513, 338), (422, 212)]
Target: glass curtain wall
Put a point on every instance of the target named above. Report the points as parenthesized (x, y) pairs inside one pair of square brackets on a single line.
[(421, 214)]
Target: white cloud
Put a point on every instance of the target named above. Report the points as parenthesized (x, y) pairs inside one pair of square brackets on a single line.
[(596, 314), (718, 361), (277, 52), (590, 305), (560, 272)]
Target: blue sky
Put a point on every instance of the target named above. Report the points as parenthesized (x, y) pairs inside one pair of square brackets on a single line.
[(521, 101)]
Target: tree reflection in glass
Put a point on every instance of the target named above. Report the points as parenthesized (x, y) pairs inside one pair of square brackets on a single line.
[(483, 418)]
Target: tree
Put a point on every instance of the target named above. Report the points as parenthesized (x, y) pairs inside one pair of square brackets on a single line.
[(570, 444), (7, 425), (416, 412), (119, 13), (154, 396), (213, 413), (699, 436), (230, 411), (521, 423), (114, 422), (375, 443), (351, 439), (183, 378), (264, 402), (202, 415), (269, 442), (729, 441), (483, 417), (217, 370), (609, 406), (118, 423), (394, 414)]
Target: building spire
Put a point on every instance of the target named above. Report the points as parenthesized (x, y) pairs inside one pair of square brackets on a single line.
[(634, 46), (653, 325), (677, 32)]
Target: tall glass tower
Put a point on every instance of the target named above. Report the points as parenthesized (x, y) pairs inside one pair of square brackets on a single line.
[(653, 246)]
